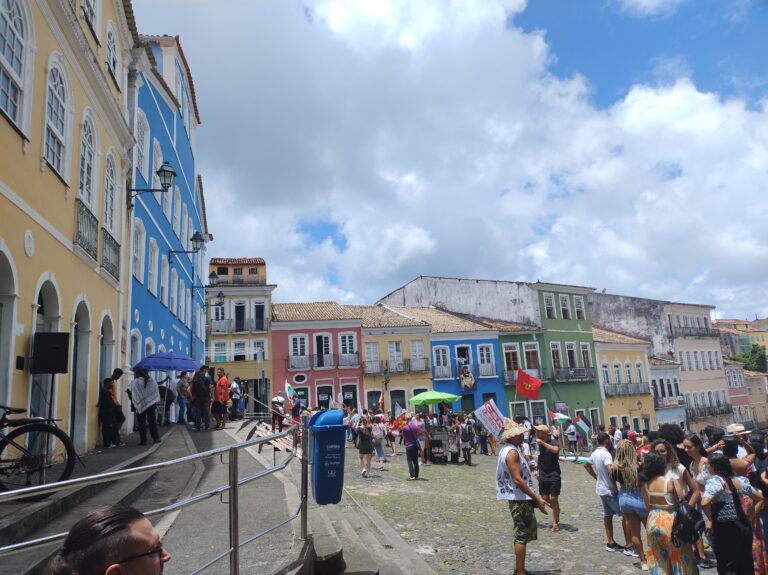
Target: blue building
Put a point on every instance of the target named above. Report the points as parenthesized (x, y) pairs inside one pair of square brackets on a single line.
[(168, 226), (466, 360)]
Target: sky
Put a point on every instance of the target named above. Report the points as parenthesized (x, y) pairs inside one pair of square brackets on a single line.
[(357, 144)]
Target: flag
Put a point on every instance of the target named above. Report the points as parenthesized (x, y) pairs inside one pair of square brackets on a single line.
[(341, 397), (558, 418), (398, 410), (527, 385), (582, 423), (289, 391), (381, 401)]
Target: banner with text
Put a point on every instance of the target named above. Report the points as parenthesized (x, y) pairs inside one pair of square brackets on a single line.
[(490, 416)]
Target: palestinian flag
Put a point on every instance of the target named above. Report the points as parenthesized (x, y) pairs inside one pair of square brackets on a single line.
[(557, 418), (582, 424), (289, 391)]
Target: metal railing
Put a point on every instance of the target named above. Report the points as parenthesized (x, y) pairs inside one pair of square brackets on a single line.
[(110, 254), (232, 486), (669, 401), (695, 332), (244, 325), (87, 229), (621, 389)]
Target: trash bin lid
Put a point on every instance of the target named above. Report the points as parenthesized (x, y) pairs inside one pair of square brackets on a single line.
[(331, 417)]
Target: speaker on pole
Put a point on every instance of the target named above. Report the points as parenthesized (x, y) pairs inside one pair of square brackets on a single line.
[(50, 352)]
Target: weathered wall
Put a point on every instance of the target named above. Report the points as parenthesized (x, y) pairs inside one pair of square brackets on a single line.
[(634, 316)]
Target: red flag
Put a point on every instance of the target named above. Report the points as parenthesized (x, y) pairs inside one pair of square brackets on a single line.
[(527, 385)]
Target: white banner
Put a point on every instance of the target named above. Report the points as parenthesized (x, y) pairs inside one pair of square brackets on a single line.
[(490, 417)]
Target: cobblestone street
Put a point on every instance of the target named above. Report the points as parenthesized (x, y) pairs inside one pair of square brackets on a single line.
[(452, 518)]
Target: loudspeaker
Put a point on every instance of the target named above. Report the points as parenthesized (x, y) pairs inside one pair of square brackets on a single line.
[(50, 352)]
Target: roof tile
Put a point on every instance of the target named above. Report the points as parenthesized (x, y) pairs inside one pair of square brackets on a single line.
[(440, 320), (311, 311), (600, 335)]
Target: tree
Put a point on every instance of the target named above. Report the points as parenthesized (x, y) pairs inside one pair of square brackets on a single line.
[(754, 359)]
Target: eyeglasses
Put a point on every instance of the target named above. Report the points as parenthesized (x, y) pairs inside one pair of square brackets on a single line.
[(156, 551)]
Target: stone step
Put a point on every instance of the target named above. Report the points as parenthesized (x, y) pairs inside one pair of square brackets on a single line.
[(357, 555)]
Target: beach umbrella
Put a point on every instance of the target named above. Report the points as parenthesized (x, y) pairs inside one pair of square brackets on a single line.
[(168, 361), (432, 397)]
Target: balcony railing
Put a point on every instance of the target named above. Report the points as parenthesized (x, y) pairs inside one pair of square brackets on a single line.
[(87, 232), (695, 332), (709, 411), (621, 389), (374, 367), (671, 401), (322, 360), (298, 362), (417, 365), (110, 254), (442, 372), (349, 360), (487, 370), (574, 373), (233, 280), (395, 366), (510, 375), (239, 325)]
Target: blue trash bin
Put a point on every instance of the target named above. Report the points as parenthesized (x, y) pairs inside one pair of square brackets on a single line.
[(328, 446)]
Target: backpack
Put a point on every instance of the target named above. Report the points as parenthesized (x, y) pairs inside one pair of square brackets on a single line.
[(377, 431), (466, 433), (687, 525)]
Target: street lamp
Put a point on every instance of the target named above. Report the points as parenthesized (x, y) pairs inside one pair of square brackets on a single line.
[(218, 301), (165, 174), (197, 241)]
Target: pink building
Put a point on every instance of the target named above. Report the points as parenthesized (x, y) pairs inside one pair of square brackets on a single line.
[(315, 348), (738, 394)]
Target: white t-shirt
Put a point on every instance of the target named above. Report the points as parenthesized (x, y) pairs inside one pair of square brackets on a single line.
[(617, 436), (571, 432), (601, 460), (527, 434)]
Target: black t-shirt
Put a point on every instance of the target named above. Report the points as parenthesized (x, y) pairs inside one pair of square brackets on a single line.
[(364, 441), (549, 463)]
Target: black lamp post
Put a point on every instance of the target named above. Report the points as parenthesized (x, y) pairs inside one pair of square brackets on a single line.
[(166, 175)]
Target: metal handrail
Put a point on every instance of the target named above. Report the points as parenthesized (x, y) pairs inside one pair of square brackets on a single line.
[(232, 486)]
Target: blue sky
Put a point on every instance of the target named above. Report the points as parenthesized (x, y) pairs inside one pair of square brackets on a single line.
[(722, 43)]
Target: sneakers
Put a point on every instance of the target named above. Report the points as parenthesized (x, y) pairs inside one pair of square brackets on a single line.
[(613, 547), (643, 566), (705, 563), (629, 551)]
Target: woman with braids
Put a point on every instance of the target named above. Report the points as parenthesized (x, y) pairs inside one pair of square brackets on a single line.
[(115, 540), (726, 520), (624, 472)]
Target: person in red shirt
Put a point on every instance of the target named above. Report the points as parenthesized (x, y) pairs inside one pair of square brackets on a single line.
[(220, 399)]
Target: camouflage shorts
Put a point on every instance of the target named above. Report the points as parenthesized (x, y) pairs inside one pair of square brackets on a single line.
[(524, 519)]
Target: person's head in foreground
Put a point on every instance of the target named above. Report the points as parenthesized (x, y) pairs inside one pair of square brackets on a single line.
[(513, 433), (114, 540)]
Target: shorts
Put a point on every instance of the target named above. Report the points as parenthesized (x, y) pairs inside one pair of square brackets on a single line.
[(631, 501), (550, 486), (610, 505), (525, 527)]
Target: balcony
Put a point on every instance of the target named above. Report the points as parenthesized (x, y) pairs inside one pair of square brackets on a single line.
[(672, 401), (375, 367), (622, 389), (87, 231), (695, 413), (442, 372), (574, 373), (110, 254), (417, 365), (697, 332), (510, 375), (239, 280), (239, 325), (487, 370), (349, 360), (323, 361), (298, 362), (396, 366)]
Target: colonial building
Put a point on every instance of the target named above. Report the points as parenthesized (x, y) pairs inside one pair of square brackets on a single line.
[(66, 153), (757, 391), (169, 228), (395, 351), (668, 400), (738, 396), (624, 377), (733, 342), (239, 337)]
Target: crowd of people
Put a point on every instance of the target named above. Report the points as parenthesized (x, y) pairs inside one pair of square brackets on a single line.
[(683, 492)]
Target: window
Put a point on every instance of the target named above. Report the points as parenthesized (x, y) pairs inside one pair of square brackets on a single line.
[(639, 371), (142, 143), (13, 32), (157, 162), (617, 372), (570, 353), (554, 348), (347, 343), (696, 360), (218, 312), (511, 357), (152, 267), (87, 161), (173, 296), (711, 356), (689, 361), (606, 374), (531, 353), (238, 271), (182, 299), (442, 366), (372, 358), (395, 357), (184, 229), (252, 272), (190, 233), (177, 212), (628, 372), (538, 412), (168, 203), (89, 11), (110, 178), (298, 345), (485, 360), (586, 355), (259, 350), (113, 54), (565, 307), (717, 360), (613, 421), (680, 359), (220, 351), (578, 304), (164, 281), (418, 361), (138, 249), (55, 121), (549, 306), (239, 351)]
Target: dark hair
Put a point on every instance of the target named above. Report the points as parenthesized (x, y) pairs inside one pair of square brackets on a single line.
[(671, 452), (141, 372), (183, 373), (716, 434), (721, 465), (627, 426), (697, 443), (654, 465), (107, 382), (757, 441), (652, 435), (117, 373), (95, 542), (672, 432), (731, 447), (602, 438)]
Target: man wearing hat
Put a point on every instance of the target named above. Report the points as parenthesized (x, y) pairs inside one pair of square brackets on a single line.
[(514, 483), (548, 471)]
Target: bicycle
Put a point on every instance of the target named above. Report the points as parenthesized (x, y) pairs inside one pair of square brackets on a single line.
[(27, 452)]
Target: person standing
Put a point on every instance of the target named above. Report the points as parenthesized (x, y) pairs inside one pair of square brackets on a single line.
[(514, 484), (107, 415), (548, 471), (598, 466), (364, 446), (410, 435), (182, 398), (633, 509), (234, 396), (379, 434), (482, 435), (277, 412), (467, 433), (220, 399), (201, 399), (573, 438), (617, 436), (145, 397)]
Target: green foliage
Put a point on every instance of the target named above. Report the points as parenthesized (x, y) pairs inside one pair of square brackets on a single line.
[(754, 359)]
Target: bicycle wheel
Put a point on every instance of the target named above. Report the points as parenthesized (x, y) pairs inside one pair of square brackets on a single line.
[(27, 458)]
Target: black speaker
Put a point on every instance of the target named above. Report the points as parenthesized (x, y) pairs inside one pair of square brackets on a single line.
[(50, 352)]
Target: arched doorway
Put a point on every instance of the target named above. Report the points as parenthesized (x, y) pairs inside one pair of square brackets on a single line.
[(106, 349), (47, 317), (78, 382), (7, 305)]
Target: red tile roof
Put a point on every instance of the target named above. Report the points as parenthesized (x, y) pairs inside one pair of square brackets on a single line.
[(237, 261), (600, 335)]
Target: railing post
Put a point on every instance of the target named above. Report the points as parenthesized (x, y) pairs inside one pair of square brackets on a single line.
[(234, 519), (304, 475)]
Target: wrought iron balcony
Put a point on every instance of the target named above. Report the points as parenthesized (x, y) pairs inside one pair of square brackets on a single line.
[(486, 370), (239, 325), (670, 401), (708, 411), (374, 367), (510, 375), (298, 362), (695, 332), (87, 231), (622, 389), (349, 360), (110, 254), (323, 360), (574, 373), (417, 365), (396, 366)]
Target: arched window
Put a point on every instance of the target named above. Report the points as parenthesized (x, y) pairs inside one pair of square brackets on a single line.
[(113, 54), (182, 299), (628, 373), (168, 204), (190, 233), (617, 372), (164, 282), (142, 143), (139, 237), (177, 212), (639, 371), (87, 161), (184, 227), (174, 290), (14, 44), (606, 374), (110, 178), (154, 252), (56, 121), (157, 161)]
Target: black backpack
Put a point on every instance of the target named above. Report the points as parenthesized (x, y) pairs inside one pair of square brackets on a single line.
[(466, 433), (688, 524)]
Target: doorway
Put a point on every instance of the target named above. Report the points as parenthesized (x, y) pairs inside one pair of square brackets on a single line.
[(240, 317), (349, 395), (324, 396), (467, 403), (78, 382)]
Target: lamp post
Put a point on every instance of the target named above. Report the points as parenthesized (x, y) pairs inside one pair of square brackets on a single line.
[(197, 240), (165, 174)]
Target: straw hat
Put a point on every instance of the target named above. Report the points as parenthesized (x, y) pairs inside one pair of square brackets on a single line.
[(735, 429), (541, 427), (511, 429)]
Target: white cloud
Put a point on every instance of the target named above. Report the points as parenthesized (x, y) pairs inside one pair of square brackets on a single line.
[(458, 152), (648, 7)]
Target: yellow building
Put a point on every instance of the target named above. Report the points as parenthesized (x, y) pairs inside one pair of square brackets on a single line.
[(396, 356), (624, 379), (66, 148), (239, 303), (757, 390)]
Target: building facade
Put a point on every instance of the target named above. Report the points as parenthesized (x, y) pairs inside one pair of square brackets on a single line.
[(669, 402), (738, 396), (169, 229), (757, 391), (239, 304), (316, 349)]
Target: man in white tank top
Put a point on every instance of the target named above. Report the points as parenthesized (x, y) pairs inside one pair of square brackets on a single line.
[(514, 483)]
